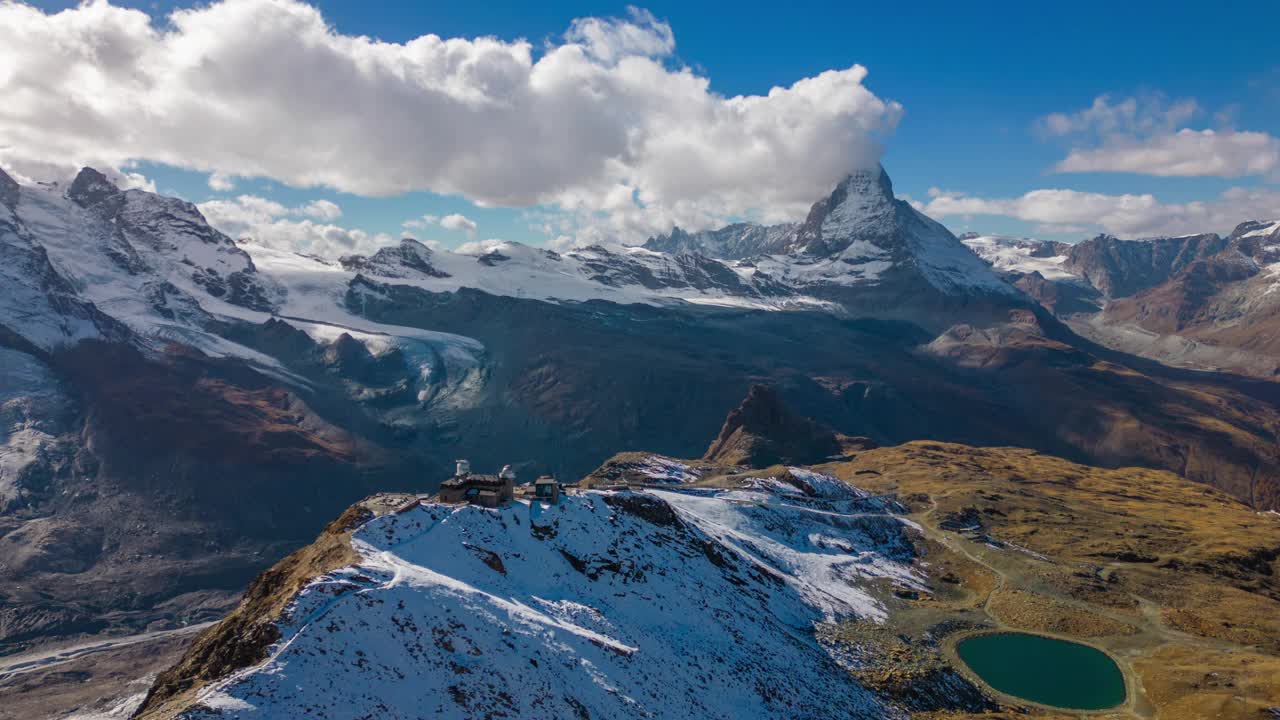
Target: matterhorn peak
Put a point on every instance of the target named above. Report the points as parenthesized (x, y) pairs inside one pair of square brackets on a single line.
[(867, 182), (862, 204)]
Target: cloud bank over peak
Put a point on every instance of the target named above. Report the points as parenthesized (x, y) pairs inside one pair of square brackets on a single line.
[(603, 125)]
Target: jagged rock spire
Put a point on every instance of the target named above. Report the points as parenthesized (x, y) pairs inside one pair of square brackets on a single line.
[(92, 188), (762, 431)]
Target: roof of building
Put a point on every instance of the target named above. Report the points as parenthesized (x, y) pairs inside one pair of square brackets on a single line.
[(475, 479)]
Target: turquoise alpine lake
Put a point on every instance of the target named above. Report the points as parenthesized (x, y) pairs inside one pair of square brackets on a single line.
[(1045, 670)]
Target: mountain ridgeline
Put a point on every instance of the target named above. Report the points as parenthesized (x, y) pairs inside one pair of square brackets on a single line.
[(231, 398), (1199, 301)]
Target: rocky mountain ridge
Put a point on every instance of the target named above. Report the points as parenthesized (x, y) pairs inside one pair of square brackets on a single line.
[(575, 609), (739, 241), (1203, 301)]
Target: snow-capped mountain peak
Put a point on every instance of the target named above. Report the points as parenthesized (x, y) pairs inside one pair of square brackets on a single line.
[(1259, 228), (859, 239), (862, 236), (147, 262), (862, 206), (408, 259)]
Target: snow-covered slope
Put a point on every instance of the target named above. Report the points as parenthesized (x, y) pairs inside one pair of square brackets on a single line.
[(92, 256), (1020, 255), (614, 273), (38, 306), (1259, 243), (91, 261), (88, 260), (677, 603), (34, 410)]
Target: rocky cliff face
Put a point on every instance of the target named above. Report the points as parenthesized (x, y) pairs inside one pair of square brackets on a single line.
[(1119, 268), (1224, 307)]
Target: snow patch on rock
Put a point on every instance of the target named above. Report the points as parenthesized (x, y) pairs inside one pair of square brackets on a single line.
[(1011, 254)]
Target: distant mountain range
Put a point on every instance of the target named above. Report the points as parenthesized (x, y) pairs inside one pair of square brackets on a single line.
[(229, 399), (1202, 301)]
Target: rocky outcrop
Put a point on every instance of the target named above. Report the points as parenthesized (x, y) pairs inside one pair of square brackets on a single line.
[(8, 191), (1217, 311), (762, 432), (91, 188), (1198, 301), (1060, 298), (1187, 299)]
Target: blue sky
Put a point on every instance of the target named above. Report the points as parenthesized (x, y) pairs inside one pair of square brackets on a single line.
[(974, 81)]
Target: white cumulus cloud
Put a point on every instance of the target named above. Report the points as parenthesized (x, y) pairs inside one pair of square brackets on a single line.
[(270, 223), (609, 39), (221, 183), (604, 126), (321, 210), (457, 221), (1147, 136), (1185, 153), (420, 223), (1127, 215), (1127, 116)]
